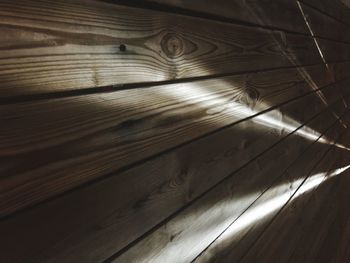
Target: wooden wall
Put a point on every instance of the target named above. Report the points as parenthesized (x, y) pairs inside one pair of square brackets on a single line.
[(174, 131)]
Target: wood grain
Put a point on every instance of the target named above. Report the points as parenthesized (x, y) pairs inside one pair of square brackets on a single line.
[(119, 209), (51, 146), (332, 210), (282, 14), (50, 46), (201, 223), (158, 131), (232, 245), (257, 251)]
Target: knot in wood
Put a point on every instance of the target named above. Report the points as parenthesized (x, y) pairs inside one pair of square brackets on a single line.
[(252, 93), (172, 45)]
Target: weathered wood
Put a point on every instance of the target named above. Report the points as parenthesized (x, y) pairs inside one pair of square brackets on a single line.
[(282, 14), (49, 46), (232, 245), (260, 249), (50, 146), (119, 209)]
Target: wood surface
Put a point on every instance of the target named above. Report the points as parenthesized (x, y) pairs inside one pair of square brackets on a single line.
[(234, 243), (334, 9), (145, 195), (51, 46), (202, 222), (51, 146), (325, 26), (334, 51), (257, 250), (331, 201), (342, 253), (261, 13), (174, 131)]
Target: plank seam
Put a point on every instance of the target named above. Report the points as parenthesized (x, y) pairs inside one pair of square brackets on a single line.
[(127, 247), (272, 183), (127, 167), (122, 169), (291, 197), (164, 8), (323, 12), (207, 16), (129, 86)]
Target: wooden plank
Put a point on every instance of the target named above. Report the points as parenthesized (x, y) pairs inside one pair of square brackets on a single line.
[(323, 227), (334, 25), (262, 251), (51, 146), (333, 8), (117, 210), (335, 72), (334, 51), (282, 14), (339, 70), (232, 245), (185, 236), (50, 46), (322, 230), (343, 252), (325, 26), (338, 90), (301, 215)]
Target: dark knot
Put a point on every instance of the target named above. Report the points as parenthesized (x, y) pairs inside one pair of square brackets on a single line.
[(172, 45)]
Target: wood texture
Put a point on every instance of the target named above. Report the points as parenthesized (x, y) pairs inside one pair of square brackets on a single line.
[(335, 9), (50, 46), (329, 203), (325, 26), (233, 244), (255, 251), (202, 222), (283, 14), (51, 146), (121, 208), (174, 131)]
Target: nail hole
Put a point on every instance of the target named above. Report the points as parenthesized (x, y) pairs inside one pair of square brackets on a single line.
[(122, 47)]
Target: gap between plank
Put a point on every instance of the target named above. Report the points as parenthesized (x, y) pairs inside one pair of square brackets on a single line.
[(131, 244), (127, 86), (272, 183), (116, 172), (291, 197)]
